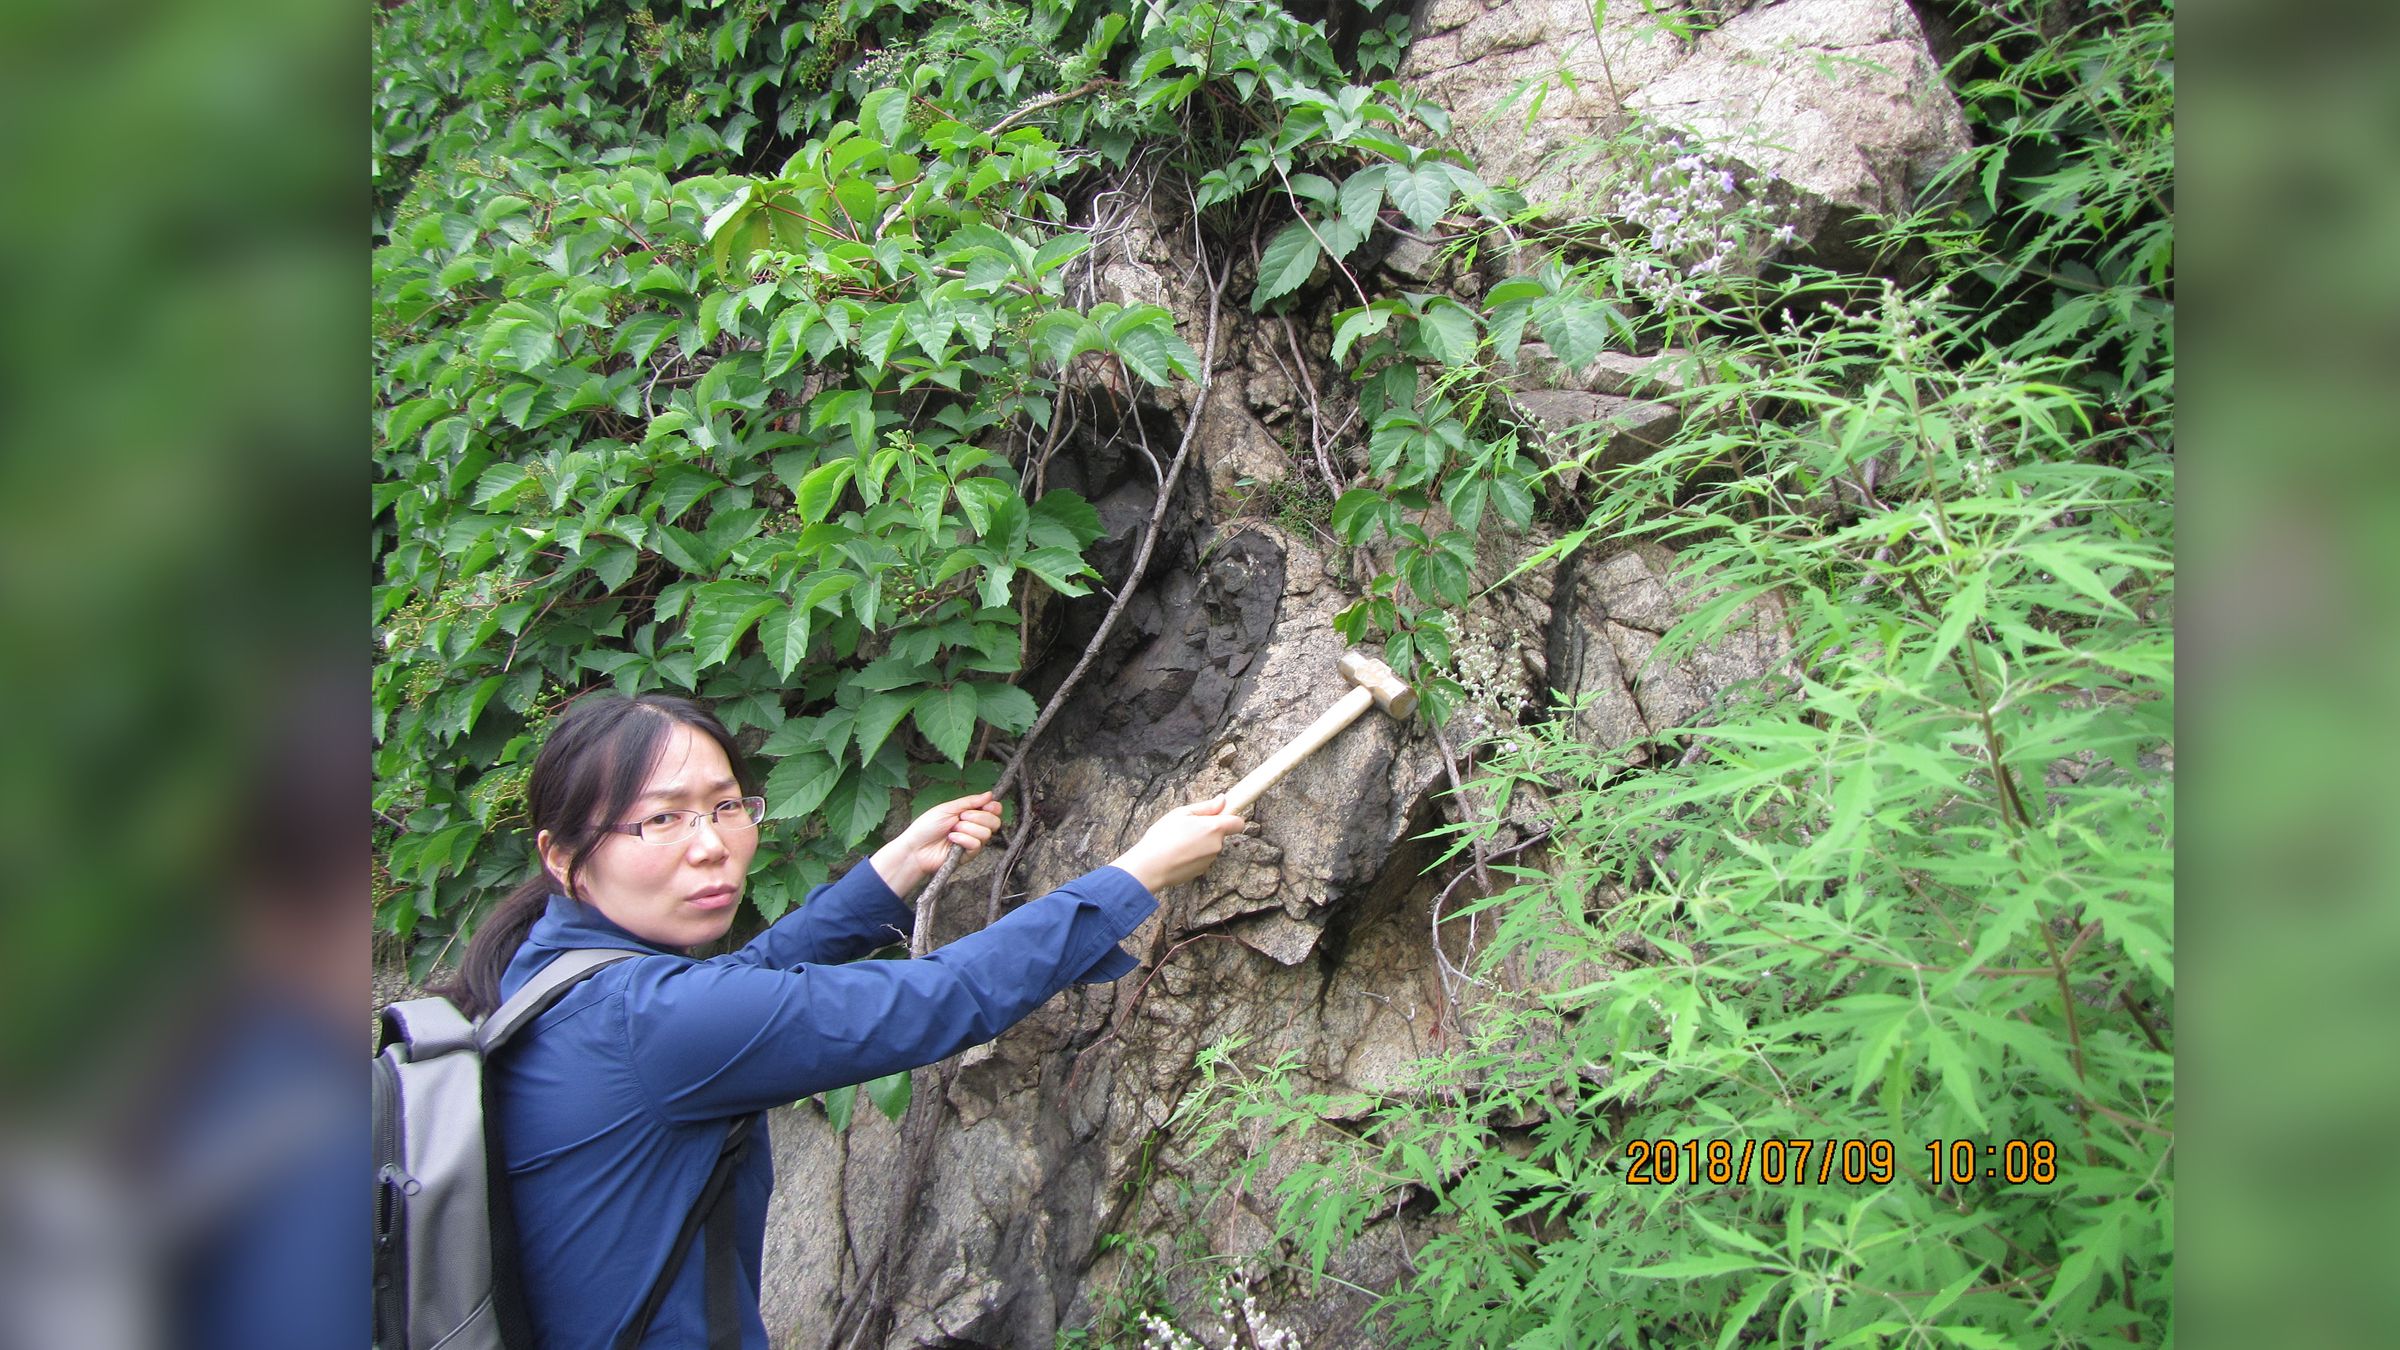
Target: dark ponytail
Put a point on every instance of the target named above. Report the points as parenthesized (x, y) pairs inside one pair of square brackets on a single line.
[(591, 768)]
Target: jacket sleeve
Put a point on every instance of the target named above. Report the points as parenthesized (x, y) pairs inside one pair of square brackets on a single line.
[(841, 920), (720, 1038)]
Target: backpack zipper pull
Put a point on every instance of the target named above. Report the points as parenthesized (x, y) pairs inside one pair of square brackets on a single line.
[(391, 1175)]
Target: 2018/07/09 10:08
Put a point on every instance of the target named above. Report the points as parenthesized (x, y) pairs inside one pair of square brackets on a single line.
[(1661, 1162)]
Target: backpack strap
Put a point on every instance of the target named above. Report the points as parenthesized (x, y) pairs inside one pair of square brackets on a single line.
[(540, 992), (423, 1028), (723, 1275)]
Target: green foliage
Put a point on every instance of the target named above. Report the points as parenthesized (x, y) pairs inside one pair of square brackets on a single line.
[(1913, 887), (645, 418), (713, 349)]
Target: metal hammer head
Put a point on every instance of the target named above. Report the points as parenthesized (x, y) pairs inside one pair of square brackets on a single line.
[(1375, 677)]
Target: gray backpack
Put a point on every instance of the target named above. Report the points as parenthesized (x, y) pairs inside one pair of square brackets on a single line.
[(445, 1251)]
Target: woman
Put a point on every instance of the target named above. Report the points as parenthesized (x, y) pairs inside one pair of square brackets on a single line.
[(611, 1109)]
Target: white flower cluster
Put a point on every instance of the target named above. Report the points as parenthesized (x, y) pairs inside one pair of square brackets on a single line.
[(1234, 1300), (1161, 1334), (1698, 224), (1481, 656)]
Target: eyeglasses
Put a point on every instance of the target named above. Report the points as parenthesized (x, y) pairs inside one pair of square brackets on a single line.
[(673, 827)]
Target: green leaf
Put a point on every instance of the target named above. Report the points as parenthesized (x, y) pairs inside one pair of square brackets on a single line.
[(856, 808), (798, 784), (2058, 560), (1005, 706), (784, 633), (501, 485), (784, 339), (947, 717), (1962, 610), (1448, 332), (1147, 354), (1063, 519), (1362, 195), (821, 489), (1058, 568), (518, 341), (1358, 510), (1422, 194), (1289, 258), (1354, 324), (722, 611), (1577, 329), (890, 1094), (1692, 1267), (838, 1105), (1463, 497), (614, 563), (878, 714), (1056, 253), (1513, 500)]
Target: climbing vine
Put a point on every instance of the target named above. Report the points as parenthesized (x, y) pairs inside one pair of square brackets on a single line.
[(723, 349)]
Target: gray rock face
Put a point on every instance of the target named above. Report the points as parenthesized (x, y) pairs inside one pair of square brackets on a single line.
[(1604, 656), (1840, 99)]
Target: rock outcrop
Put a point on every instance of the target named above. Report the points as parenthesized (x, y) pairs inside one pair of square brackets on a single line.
[(1315, 935), (1839, 99)]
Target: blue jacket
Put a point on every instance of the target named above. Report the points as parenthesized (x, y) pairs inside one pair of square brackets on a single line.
[(612, 1105)]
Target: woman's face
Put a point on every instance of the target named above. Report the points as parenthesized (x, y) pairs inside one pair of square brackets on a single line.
[(669, 895)]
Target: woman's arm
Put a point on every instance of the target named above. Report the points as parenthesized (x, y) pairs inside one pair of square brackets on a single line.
[(714, 1039), (841, 920), (846, 919)]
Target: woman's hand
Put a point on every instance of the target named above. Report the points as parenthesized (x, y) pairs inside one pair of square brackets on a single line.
[(1182, 844), (919, 851)]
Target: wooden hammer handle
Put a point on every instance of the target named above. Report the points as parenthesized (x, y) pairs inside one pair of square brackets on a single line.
[(1325, 728)]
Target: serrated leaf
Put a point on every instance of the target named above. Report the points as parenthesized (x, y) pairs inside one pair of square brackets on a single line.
[(799, 784), (1447, 330), (2059, 562), (1463, 497), (501, 485), (1691, 1267), (1057, 252), (1362, 195), (891, 672), (821, 489), (1963, 609), (856, 808), (1058, 568), (613, 564), (1422, 194), (1576, 329), (1145, 353), (1005, 706), (947, 717), (722, 611), (1063, 519), (1356, 511), (878, 714), (784, 634), (795, 736), (784, 339), (1513, 500), (1358, 323), (1289, 258)]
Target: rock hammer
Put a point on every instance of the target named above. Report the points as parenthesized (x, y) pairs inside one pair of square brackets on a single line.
[(1372, 682)]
